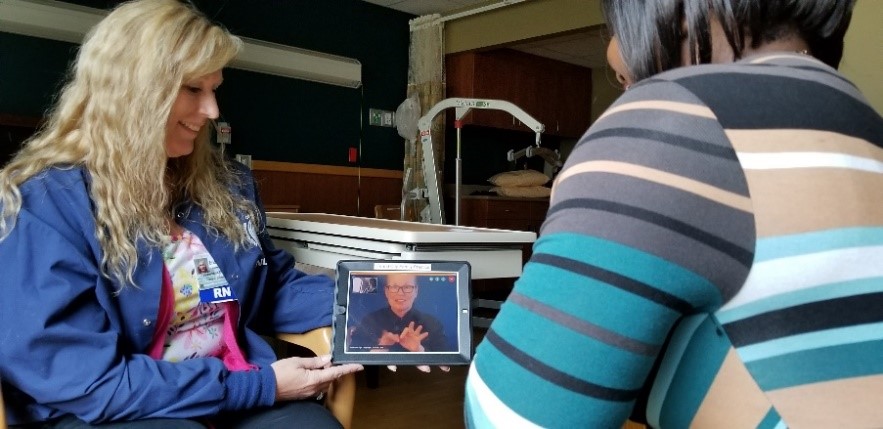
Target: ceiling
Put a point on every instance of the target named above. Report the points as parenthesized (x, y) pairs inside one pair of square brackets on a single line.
[(587, 48)]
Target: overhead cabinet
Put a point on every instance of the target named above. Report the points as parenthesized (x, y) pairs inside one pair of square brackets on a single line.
[(556, 93)]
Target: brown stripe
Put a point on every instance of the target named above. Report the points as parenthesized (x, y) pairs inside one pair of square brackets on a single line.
[(848, 403), (772, 58), (810, 199), (778, 141), (333, 170), (671, 106), (733, 399), (686, 184)]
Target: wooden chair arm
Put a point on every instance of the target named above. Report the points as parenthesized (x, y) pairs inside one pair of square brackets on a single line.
[(2, 413), (340, 398)]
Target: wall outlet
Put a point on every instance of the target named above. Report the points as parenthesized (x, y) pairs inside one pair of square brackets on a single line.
[(244, 159), (381, 118)]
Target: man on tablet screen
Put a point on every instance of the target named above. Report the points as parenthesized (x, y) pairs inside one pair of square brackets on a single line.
[(400, 327)]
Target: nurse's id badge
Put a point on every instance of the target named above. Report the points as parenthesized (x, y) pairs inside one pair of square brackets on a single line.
[(213, 287)]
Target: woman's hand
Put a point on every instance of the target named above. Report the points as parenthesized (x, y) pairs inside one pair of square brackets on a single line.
[(388, 339), (302, 378), (411, 337), (421, 368)]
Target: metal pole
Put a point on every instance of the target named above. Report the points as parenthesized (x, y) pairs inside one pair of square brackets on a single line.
[(459, 179)]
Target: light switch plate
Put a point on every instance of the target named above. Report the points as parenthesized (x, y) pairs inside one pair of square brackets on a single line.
[(244, 159)]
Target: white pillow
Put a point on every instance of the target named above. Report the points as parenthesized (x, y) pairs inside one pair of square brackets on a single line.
[(519, 178), (523, 191)]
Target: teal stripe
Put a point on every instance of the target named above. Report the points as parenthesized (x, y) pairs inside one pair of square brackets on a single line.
[(814, 242), (594, 301), (676, 349), (812, 340), (544, 403), (556, 345), (772, 420), (803, 296), (697, 369), (475, 415), (633, 263), (817, 365)]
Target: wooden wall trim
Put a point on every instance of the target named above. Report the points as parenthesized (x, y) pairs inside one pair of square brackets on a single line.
[(20, 121), (334, 170)]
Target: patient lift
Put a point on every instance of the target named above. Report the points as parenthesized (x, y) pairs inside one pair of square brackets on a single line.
[(430, 168)]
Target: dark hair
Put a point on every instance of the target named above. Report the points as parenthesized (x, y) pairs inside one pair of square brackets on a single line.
[(650, 32)]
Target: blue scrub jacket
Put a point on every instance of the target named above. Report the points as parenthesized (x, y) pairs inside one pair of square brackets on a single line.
[(72, 341)]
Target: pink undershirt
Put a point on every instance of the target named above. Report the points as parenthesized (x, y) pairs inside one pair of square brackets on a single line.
[(187, 327)]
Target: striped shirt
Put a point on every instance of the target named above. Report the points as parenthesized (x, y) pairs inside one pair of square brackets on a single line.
[(714, 244)]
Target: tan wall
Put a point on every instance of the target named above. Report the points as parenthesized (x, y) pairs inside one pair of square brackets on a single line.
[(863, 57), (862, 61), (605, 90), (521, 21)]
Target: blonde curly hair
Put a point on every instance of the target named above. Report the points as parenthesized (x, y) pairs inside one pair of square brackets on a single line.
[(110, 119)]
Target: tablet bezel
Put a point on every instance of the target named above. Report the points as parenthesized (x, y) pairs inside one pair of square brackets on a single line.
[(344, 291)]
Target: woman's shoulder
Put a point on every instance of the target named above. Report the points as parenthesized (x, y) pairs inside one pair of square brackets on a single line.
[(56, 183), (58, 175), (243, 178), (58, 198), (765, 67)]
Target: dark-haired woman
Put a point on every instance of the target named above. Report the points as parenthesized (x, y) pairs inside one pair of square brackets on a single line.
[(709, 253)]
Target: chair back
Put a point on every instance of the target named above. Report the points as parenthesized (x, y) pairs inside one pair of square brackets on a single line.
[(388, 211), (2, 412), (341, 397)]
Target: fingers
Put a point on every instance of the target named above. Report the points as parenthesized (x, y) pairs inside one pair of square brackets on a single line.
[(341, 370), (317, 362), (327, 375), (421, 368), (388, 339), (426, 368)]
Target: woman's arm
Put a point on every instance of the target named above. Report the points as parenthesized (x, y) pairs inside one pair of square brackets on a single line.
[(649, 220), (300, 302), (62, 340)]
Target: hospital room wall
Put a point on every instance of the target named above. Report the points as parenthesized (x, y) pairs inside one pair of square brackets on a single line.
[(293, 126), (862, 61), (863, 53), (272, 118)]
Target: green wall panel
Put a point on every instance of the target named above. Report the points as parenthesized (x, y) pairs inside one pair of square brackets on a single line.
[(31, 72), (273, 118)]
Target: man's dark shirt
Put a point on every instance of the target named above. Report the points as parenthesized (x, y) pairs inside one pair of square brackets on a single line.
[(369, 331)]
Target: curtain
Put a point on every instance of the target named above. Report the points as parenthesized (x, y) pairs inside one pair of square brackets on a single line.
[(426, 83)]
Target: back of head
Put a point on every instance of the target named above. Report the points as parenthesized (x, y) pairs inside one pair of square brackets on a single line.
[(651, 32), (821, 23)]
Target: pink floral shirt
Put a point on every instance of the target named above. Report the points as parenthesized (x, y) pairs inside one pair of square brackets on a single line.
[(196, 328)]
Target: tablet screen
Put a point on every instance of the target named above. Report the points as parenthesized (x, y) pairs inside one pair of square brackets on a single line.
[(402, 312)]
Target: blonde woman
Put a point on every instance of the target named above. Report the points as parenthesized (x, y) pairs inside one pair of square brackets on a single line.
[(137, 274)]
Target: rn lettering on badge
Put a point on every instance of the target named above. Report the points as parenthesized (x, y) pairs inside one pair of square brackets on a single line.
[(216, 294)]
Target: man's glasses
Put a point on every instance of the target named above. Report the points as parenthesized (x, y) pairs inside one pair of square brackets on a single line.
[(405, 288)]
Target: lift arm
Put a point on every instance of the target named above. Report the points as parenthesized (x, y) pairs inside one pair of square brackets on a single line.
[(462, 106)]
